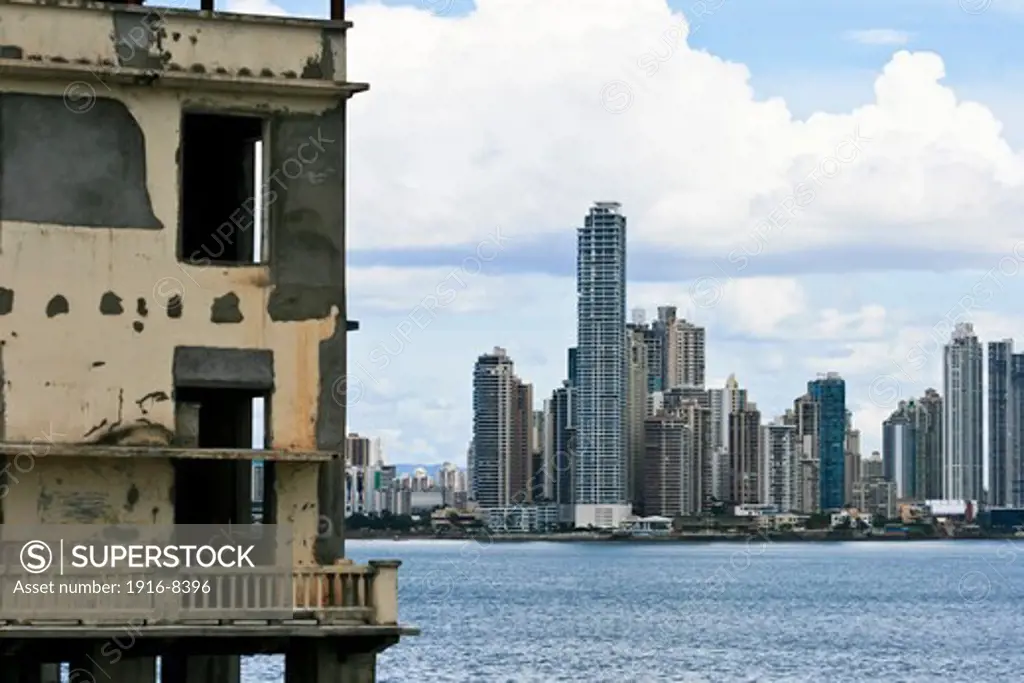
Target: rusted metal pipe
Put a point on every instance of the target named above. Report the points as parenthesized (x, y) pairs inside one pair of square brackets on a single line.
[(337, 10), (206, 5)]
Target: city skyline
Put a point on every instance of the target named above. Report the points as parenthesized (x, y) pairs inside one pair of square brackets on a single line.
[(866, 271)]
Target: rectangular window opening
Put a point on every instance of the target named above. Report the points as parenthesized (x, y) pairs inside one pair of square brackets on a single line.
[(221, 491), (221, 187)]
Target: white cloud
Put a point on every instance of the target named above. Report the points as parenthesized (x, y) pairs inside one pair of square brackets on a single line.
[(478, 121), (878, 36), (481, 120)]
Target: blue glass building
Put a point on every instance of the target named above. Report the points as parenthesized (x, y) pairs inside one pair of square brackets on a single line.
[(829, 392)]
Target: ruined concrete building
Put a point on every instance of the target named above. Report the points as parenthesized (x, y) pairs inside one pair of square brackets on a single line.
[(172, 241)]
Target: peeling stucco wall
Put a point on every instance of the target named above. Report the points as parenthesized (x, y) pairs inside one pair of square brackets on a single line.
[(296, 492), (93, 299), (58, 490)]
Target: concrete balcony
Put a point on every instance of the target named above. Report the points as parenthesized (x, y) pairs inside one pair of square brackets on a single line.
[(345, 595)]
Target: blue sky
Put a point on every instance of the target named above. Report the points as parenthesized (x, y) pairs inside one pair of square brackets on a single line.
[(513, 115)]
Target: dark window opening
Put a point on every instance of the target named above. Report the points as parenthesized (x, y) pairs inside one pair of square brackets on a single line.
[(221, 221), (218, 491)]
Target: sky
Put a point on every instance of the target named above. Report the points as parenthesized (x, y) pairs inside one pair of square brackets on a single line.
[(825, 186)]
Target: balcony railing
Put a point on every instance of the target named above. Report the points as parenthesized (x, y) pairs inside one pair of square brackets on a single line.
[(345, 593)]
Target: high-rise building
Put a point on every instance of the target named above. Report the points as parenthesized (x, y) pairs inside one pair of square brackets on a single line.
[(962, 439), (636, 412), (779, 465), (600, 477), (1005, 425), (521, 477), (899, 450), (723, 401), (358, 451), (502, 416), (852, 458), (683, 355), (929, 418), (559, 444), (744, 455), (666, 443), (675, 471), (692, 355), (541, 468), (666, 331), (829, 392), (872, 467)]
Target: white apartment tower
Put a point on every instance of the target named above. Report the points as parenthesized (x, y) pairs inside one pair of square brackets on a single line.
[(963, 440), (600, 472), (780, 465)]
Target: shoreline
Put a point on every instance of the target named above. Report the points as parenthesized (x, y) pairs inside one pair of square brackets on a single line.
[(688, 538)]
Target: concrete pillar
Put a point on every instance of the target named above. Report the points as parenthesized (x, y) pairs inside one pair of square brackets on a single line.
[(318, 661), (201, 669), (112, 667), (15, 670)]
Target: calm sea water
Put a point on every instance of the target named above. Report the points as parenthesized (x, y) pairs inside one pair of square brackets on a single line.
[(763, 612)]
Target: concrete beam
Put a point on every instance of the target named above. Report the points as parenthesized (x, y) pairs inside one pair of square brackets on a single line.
[(201, 669), (318, 661)]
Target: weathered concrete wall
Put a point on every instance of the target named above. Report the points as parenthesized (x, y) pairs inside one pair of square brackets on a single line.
[(93, 299), (172, 39), (78, 368), (56, 490), (296, 494)]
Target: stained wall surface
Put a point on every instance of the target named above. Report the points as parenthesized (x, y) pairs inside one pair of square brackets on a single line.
[(95, 303)]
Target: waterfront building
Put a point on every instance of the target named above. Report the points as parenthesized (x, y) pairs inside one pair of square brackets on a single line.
[(829, 392), (149, 307), (852, 458), (744, 453), (876, 496), (558, 444), (600, 475), (962, 441), (899, 450), (541, 466), (669, 487), (1005, 425), (636, 412), (779, 465), (928, 419), (502, 413)]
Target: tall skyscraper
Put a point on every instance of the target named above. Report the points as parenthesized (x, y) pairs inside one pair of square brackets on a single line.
[(899, 450), (636, 411), (502, 417), (691, 355), (929, 418), (683, 357), (1005, 425), (521, 479), (676, 478), (963, 440), (600, 476), (744, 455), (559, 444), (829, 392), (779, 466), (852, 474)]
